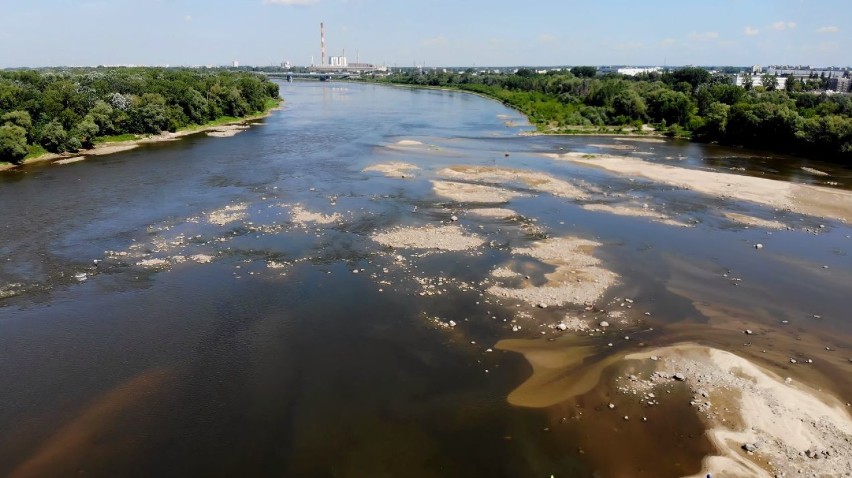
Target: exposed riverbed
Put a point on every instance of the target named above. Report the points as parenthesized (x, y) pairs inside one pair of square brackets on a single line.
[(381, 281)]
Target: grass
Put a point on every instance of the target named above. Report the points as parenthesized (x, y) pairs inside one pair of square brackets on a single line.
[(35, 151), (116, 138)]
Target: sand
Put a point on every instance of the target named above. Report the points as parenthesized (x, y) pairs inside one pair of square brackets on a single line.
[(635, 210), (70, 160), (394, 169), (228, 214), (754, 221), (443, 238), (815, 172), (786, 419), (226, 131), (473, 193), (802, 198), (492, 213), (301, 216), (577, 279), (533, 180)]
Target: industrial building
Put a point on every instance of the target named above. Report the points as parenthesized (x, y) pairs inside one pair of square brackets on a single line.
[(340, 64)]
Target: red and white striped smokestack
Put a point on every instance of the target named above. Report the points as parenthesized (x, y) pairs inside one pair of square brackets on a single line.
[(322, 41)]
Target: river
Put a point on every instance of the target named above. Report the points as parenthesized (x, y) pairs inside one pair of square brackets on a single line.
[(167, 311)]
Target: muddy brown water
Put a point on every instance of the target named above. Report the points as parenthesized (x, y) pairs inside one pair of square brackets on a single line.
[(275, 359)]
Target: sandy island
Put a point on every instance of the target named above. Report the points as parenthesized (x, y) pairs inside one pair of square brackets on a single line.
[(395, 169), (578, 277), (443, 238), (533, 180), (473, 193), (802, 198)]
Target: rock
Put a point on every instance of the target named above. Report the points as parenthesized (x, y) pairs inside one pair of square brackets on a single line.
[(679, 377), (542, 305), (626, 418), (749, 447), (758, 246), (562, 326), (654, 358), (792, 360), (604, 323), (452, 323), (516, 328), (611, 406), (748, 332), (454, 218)]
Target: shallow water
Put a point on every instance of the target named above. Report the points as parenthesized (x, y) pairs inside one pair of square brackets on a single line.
[(275, 359)]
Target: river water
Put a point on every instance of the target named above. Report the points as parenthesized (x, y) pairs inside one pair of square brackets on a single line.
[(164, 314)]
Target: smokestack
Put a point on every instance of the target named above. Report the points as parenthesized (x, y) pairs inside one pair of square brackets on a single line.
[(322, 41)]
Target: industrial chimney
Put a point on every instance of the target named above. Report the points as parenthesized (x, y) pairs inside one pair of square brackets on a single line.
[(322, 42)]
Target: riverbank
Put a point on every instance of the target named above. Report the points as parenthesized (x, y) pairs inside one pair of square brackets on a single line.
[(541, 130), (218, 128)]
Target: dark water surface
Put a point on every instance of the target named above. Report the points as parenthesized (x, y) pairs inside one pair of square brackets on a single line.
[(275, 359)]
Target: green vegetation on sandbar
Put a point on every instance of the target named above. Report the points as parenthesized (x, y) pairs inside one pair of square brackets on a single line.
[(687, 102), (66, 110)]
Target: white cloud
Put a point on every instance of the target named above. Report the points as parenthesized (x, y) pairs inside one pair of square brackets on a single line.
[(751, 31), (705, 36), (668, 42), (828, 29), (300, 3), (547, 38), (784, 26)]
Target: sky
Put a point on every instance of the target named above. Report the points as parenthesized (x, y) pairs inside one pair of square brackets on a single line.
[(426, 32)]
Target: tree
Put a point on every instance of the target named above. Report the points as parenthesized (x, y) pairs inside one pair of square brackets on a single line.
[(628, 103), (692, 75), (715, 122), (13, 143), (19, 118), (672, 106), (584, 71), (54, 138), (768, 81), (85, 132)]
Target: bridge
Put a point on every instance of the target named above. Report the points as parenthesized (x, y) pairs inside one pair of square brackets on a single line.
[(313, 75)]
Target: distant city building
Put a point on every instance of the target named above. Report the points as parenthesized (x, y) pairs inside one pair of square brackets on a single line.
[(804, 72), (840, 85), (636, 71), (756, 69), (236, 64), (757, 80)]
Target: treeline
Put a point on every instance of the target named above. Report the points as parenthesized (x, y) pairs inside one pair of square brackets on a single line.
[(69, 110), (689, 102)]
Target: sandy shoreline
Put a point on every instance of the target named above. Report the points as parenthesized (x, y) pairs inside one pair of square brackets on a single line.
[(221, 130), (774, 423)]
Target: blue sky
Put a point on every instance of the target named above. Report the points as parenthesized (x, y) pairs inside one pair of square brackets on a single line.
[(437, 32)]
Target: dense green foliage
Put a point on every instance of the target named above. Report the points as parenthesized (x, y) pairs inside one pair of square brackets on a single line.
[(689, 102), (68, 110)]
